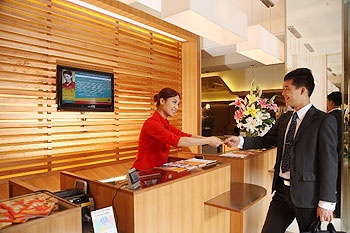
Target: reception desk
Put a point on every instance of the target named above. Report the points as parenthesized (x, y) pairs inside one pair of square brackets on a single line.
[(177, 205), (256, 167)]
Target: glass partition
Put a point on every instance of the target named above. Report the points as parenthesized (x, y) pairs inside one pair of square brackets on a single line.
[(314, 39)]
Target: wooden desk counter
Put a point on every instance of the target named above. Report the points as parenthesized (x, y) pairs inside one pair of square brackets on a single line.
[(240, 197), (173, 206)]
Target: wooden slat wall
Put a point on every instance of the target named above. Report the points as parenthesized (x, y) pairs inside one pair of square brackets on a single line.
[(35, 36)]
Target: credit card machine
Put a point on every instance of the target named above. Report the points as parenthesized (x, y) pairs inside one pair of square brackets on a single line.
[(133, 179)]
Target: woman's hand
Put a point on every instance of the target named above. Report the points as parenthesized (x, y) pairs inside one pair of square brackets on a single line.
[(214, 141)]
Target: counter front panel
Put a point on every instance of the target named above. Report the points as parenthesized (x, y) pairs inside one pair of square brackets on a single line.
[(174, 204)]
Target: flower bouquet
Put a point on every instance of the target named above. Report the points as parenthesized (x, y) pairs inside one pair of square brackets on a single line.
[(253, 112)]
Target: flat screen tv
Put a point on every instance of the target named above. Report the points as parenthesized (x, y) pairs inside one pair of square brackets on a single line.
[(84, 90)]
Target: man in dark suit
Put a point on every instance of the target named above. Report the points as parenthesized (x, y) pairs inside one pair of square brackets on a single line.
[(306, 167), (334, 101)]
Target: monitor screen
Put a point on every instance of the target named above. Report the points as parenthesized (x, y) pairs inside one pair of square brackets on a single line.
[(84, 90)]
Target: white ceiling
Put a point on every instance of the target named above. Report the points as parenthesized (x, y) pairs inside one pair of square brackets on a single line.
[(318, 21), (320, 24)]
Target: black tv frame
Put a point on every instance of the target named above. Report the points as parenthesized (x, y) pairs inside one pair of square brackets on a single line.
[(66, 105)]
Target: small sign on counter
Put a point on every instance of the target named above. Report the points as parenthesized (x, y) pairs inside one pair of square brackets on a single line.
[(103, 220)]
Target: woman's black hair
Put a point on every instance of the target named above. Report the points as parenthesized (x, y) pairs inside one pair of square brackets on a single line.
[(165, 93), (67, 72)]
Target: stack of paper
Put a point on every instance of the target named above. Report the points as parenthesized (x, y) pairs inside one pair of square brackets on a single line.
[(188, 164), (200, 162), (238, 154)]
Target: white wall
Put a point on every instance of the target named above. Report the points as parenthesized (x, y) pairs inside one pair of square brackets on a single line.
[(318, 65), (318, 68)]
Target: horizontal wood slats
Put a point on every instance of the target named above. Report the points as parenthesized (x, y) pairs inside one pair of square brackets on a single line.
[(35, 36)]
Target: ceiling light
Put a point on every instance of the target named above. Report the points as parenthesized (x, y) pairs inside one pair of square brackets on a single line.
[(268, 3), (128, 1), (295, 33), (262, 46), (217, 50), (309, 47), (120, 17), (222, 22), (154, 4)]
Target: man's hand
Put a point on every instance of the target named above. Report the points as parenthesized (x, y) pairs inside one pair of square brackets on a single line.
[(324, 214), (232, 141)]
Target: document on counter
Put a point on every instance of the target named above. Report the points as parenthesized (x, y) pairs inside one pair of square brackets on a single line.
[(238, 154), (200, 162), (188, 164)]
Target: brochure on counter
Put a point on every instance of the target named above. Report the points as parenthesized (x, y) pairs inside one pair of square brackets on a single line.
[(103, 220), (19, 210), (188, 164), (240, 153)]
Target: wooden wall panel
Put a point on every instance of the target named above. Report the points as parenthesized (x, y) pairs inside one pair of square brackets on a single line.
[(191, 90), (37, 35)]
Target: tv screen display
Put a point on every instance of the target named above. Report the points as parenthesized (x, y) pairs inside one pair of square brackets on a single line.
[(84, 90)]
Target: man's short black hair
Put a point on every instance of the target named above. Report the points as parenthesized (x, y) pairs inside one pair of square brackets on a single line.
[(335, 97), (302, 77)]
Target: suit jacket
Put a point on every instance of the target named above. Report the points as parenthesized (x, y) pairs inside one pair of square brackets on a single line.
[(340, 130), (314, 160)]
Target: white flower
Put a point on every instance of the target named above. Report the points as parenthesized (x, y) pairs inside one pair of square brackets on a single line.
[(252, 124), (264, 115)]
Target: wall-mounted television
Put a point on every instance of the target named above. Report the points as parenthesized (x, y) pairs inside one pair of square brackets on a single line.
[(84, 90)]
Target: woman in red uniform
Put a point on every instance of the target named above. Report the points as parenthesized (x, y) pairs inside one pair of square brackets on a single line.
[(157, 135)]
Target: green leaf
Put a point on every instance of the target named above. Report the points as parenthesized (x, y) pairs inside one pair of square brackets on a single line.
[(272, 98)]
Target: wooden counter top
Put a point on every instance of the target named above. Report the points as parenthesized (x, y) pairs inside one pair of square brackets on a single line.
[(243, 154), (240, 197)]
